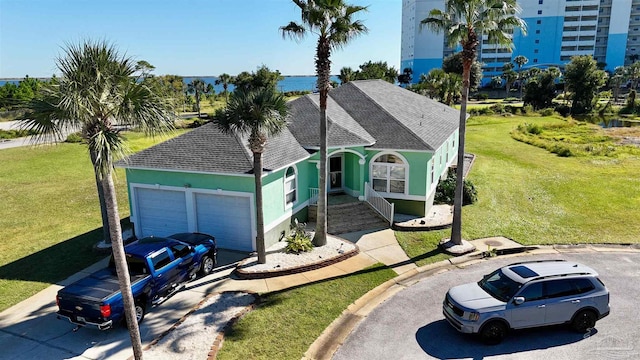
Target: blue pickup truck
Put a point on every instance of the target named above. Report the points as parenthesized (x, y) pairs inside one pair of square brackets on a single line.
[(158, 267)]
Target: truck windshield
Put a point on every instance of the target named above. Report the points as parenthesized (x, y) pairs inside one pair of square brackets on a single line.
[(136, 266), (500, 286)]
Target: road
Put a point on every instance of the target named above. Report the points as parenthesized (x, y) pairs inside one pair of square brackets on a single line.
[(410, 325), (24, 141)]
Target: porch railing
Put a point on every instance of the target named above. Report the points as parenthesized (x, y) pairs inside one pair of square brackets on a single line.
[(313, 196), (380, 204)]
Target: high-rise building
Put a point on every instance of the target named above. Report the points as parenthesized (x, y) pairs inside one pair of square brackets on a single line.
[(609, 30)]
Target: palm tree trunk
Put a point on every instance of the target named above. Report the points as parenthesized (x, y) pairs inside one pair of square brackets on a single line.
[(124, 281), (323, 67), (103, 206), (456, 228), (198, 103), (257, 171)]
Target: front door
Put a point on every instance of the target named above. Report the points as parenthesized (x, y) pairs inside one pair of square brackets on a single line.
[(335, 173)]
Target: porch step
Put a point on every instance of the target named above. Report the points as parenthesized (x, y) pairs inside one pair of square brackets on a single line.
[(355, 216)]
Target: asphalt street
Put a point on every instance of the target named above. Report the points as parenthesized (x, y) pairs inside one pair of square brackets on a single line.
[(410, 325)]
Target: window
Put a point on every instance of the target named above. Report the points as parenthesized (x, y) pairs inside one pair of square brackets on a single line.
[(290, 188), (180, 250), (537, 41), (540, 2), (389, 174), (560, 288), (532, 292), (538, 22), (539, 12), (160, 259), (433, 171), (537, 31)]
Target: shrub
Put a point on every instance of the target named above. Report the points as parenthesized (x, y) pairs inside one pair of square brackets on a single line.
[(511, 99), (534, 129), (74, 138), (563, 110), (498, 108), (445, 191), (547, 112), (299, 240), (482, 96), (527, 109)]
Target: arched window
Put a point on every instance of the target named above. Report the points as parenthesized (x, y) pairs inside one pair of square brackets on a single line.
[(290, 187), (389, 174)]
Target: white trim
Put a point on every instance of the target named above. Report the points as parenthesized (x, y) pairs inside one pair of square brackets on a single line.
[(343, 150), (341, 146), (339, 155), (406, 174), (351, 192), (288, 165), (402, 197), (295, 190), (190, 194), (398, 150), (186, 171)]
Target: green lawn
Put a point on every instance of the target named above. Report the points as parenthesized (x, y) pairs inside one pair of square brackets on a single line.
[(536, 197), (286, 323), (50, 216)]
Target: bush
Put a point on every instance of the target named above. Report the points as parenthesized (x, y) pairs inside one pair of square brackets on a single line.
[(445, 191), (534, 129), (74, 138), (511, 99), (547, 112), (563, 110), (481, 96), (299, 240)]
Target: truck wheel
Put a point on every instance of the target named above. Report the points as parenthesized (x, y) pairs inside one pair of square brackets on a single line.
[(493, 332), (207, 265), (583, 321), (140, 310)]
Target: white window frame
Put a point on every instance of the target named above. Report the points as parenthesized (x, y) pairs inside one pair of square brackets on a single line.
[(286, 179), (405, 165)]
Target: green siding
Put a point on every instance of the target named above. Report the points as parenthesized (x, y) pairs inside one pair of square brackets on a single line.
[(409, 207), (417, 170)]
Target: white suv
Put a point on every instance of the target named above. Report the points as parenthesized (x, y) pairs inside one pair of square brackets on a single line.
[(528, 294)]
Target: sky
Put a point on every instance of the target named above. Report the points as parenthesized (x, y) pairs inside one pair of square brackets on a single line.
[(185, 37)]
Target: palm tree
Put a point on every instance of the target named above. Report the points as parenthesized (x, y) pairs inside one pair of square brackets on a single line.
[(225, 79), (346, 75), (465, 22), (520, 60), (260, 113), (198, 87), (509, 76), (332, 21), (97, 92)]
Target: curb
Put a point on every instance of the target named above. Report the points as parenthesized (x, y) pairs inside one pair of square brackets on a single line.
[(324, 347)]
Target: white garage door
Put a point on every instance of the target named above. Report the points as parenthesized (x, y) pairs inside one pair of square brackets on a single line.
[(161, 212), (227, 218)]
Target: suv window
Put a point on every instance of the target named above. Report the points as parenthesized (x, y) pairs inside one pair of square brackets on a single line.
[(562, 287), (583, 285), (160, 259), (532, 292), (180, 250)]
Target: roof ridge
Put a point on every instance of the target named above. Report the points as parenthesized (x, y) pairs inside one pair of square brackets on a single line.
[(413, 134), (340, 126)]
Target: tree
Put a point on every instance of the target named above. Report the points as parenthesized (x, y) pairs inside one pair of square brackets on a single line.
[(520, 60), (145, 68), (496, 82), (453, 64), (406, 76), (198, 87), (633, 73), (465, 22), (377, 70), (225, 79), (346, 75), (509, 77), (616, 80), (541, 89), (332, 21), (262, 77), (444, 86), (259, 113), (584, 80), (96, 92)]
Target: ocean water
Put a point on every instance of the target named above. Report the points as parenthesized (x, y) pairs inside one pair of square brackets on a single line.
[(290, 83)]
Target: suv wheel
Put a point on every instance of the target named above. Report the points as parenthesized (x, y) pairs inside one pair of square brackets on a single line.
[(584, 320), (208, 263), (493, 332)]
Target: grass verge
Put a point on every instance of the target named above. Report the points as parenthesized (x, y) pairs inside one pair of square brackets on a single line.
[(50, 216), (286, 323)]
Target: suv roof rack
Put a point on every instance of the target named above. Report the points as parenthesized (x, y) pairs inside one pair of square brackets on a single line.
[(559, 275), (537, 261)]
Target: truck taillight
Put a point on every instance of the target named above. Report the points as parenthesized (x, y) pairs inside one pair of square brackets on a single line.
[(58, 300), (105, 310)]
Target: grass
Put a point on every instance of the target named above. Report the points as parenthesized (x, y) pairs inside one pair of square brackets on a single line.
[(532, 196), (50, 216), (286, 323)]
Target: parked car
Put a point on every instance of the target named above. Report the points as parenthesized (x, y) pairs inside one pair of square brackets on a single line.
[(528, 294), (158, 267)]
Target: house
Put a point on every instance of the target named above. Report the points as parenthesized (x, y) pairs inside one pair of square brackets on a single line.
[(382, 139)]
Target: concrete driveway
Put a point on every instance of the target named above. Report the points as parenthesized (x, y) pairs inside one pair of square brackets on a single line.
[(410, 325)]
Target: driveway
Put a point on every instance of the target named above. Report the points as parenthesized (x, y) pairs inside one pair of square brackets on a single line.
[(410, 325)]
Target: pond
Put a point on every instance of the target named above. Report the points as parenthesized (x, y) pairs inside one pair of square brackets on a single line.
[(610, 122)]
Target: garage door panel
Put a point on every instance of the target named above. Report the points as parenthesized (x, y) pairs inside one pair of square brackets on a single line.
[(161, 212), (226, 217)]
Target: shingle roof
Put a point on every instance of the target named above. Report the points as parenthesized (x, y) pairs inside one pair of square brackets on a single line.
[(395, 117), (370, 113), (207, 149), (342, 129)]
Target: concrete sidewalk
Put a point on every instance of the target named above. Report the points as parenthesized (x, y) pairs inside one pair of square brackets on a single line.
[(30, 329)]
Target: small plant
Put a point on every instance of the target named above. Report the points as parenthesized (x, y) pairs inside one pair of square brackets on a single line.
[(74, 138), (445, 191), (299, 240), (547, 112), (491, 252)]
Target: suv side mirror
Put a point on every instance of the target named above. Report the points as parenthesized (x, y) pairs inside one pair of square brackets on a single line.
[(192, 249), (518, 300)]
